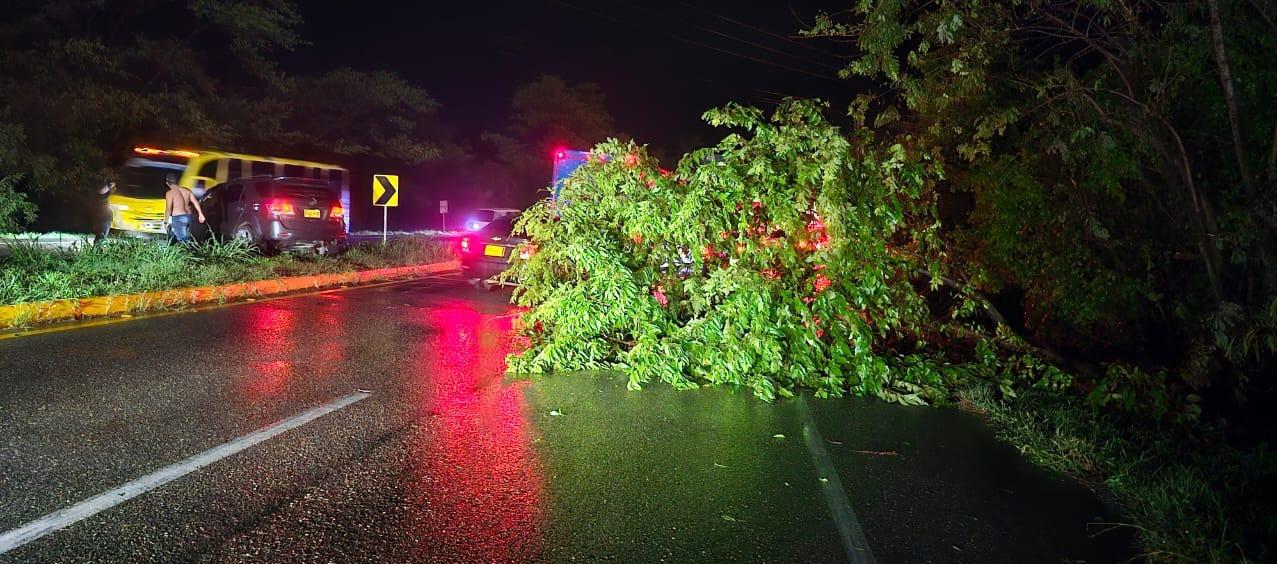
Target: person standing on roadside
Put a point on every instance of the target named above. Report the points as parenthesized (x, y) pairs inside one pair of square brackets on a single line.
[(178, 202), (102, 214)]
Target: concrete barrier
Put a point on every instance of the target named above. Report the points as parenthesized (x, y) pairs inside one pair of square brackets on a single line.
[(34, 313)]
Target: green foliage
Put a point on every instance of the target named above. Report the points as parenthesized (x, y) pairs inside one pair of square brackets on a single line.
[(779, 258), (1187, 501), (1102, 179), (348, 112), (31, 273), (83, 81), (15, 209), (1093, 176)]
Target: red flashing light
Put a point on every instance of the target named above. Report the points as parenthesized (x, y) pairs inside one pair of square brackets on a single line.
[(560, 154), (281, 208), (465, 245)]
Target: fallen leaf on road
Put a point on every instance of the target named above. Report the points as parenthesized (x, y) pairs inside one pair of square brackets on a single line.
[(727, 517), (878, 452), (778, 436), (717, 465), (556, 413)]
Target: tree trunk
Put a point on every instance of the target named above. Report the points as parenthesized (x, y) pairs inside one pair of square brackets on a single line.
[(1257, 203), (1230, 97), (1205, 230)]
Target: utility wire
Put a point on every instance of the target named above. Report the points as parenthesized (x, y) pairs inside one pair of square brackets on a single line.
[(699, 44), (732, 37), (766, 31)]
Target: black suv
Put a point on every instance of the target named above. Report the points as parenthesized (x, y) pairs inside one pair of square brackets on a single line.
[(274, 214)]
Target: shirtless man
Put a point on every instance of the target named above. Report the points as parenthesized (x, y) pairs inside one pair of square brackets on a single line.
[(177, 209)]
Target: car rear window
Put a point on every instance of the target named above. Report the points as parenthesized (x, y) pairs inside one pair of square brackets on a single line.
[(499, 228), (274, 190), (485, 215)]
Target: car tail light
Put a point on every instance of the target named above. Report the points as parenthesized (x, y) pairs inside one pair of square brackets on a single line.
[(337, 212), (281, 208), (527, 251), (465, 244)]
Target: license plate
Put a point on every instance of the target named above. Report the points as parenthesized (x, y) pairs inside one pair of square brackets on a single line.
[(311, 213), (494, 250)]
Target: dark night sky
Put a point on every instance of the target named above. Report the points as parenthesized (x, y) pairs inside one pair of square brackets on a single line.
[(661, 65), (471, 55)]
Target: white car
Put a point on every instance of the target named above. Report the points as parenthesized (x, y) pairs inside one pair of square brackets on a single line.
[(483, 216)]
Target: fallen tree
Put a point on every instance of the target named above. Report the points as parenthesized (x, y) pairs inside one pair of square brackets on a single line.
[(782, 258)]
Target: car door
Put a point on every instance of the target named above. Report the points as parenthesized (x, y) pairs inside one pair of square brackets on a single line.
[(211, 205), (233, 206)]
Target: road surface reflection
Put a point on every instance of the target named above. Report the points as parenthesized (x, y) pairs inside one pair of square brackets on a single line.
[(269, 337), (481, 486)]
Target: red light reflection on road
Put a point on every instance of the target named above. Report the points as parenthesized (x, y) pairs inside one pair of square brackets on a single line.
[(269, 340), (481, 485)]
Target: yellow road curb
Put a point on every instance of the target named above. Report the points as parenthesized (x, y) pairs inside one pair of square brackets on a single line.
[(33, 313)]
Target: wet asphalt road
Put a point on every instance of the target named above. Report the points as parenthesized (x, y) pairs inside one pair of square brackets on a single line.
[(446, 460)]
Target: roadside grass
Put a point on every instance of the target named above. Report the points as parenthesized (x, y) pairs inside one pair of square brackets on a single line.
[(32, 273), (1188, 500)]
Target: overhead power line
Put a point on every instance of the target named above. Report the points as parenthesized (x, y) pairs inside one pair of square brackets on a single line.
[(732, 37), (698, 43), (767, 31)]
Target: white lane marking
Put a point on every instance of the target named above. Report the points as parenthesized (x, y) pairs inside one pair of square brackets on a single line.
[(66, 517), (849, 531)]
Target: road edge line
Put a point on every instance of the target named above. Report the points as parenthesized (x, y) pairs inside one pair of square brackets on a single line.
[(68, 516), (849, 530)]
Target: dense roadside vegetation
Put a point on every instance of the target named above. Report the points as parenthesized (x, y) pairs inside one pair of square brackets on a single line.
[(1059, 216), (125, 266), (82, 82)]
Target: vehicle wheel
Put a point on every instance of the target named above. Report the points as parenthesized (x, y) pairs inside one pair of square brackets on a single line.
[(245, 233)]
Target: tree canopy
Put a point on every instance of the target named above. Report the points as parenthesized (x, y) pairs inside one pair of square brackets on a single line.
[(82, 81), (546, 114), (1113, 164)]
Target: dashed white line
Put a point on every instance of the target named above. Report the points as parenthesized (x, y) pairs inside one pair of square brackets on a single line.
[(66, 517)]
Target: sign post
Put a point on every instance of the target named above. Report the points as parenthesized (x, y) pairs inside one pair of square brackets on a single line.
[(443, 209), (385, 193)]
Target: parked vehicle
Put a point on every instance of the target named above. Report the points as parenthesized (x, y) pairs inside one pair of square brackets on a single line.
[(483, 216), (137, 206), (486, 253), (566, 161), (275, 214)]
